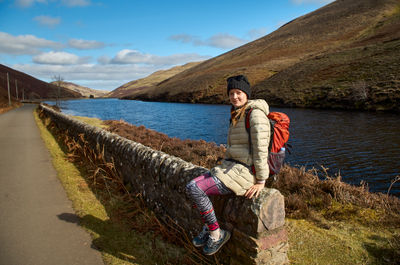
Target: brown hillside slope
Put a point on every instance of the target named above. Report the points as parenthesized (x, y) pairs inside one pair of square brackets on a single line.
[(4, 102), (136, 86), (84, 91), (31, 87), (342, 53)]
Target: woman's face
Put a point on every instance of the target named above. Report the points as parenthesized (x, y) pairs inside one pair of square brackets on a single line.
[(237, 97)]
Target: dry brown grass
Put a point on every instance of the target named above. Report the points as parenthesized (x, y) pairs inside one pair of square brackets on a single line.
[(5, 107), (199, 152), (310, 197), (320, 201), (108, 185), (306, 195)]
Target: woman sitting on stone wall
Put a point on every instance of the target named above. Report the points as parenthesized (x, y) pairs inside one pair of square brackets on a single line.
[(234, 175)]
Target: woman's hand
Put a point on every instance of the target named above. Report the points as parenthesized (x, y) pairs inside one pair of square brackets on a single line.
[(254, 190)]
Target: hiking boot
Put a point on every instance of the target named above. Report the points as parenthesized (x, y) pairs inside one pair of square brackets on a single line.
[(213, 246), (201, 239)]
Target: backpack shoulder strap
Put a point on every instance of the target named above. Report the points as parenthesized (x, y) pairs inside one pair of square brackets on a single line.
[(247, 121), (248, 112), (271, 123)]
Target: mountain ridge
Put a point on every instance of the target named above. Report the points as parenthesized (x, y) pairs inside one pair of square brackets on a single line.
[(155, 78), (344, 33), (30, 87), (84, 91)]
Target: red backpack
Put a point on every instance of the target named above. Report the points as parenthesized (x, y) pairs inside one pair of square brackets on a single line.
[(279, 123)]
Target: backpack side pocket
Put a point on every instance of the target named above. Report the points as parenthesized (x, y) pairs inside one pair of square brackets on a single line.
[(275, 161)]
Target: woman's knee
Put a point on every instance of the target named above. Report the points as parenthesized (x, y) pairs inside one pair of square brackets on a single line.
[(192, 188)]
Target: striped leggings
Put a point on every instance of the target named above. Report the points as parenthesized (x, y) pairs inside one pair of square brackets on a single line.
[(198, 191)]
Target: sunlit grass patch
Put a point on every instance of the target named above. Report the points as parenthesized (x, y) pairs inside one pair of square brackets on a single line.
[(91, 121), (342, 243)]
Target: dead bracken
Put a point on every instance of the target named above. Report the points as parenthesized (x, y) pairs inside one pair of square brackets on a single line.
[(328, 204), (306, 195)]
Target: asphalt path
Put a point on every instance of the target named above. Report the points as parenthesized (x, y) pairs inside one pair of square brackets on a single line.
[(37, 222)]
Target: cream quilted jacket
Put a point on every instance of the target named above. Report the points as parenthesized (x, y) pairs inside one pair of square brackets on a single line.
[(237, 176)]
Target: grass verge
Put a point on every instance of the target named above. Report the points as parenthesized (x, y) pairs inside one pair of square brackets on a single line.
[(92, 121), (102, 213), (337, 224), (341, 243)]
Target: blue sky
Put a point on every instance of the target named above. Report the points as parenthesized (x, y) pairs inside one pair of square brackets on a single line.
[(104, 44)]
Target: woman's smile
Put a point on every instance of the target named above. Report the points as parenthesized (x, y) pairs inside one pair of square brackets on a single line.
[(237, 97)]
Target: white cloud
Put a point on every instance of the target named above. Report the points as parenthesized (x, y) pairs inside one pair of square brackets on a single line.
[(104, 59), (131, 57), (257, 33), (135, 57), (59, 58), (85, 44), (48, 21), (107, 77), (299, 2), (222, 40), (225, 41), (28, 3), (24, 3), (24, 44), (184, 38), (72, 3), (127, 65), (69, 3)]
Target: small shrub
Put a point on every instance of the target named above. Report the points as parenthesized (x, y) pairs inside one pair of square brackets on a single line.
[(198, 152)]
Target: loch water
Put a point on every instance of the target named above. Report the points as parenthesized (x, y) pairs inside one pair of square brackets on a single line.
[(360, 146)]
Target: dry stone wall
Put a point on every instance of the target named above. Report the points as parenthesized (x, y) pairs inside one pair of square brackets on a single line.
[(257, 225)]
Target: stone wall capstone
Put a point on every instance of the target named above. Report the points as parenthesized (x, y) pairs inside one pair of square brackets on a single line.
[(257, 225)]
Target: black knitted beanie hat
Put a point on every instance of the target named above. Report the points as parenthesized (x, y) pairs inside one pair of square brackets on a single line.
[(239, 82)]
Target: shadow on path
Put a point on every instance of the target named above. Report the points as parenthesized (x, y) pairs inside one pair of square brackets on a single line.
[(142, 249)]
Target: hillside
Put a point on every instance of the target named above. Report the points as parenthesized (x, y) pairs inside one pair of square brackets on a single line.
[(4, 103), (29, 87), (344, 55), (134, 87), (3, 98), (84, 91)]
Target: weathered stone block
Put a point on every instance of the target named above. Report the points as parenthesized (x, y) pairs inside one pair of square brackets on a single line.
[(270, 208)]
